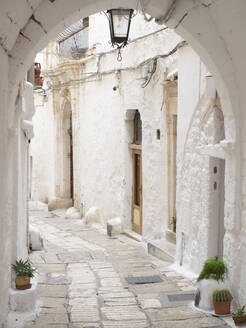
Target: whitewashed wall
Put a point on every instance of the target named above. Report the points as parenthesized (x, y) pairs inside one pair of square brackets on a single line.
[(7, 235), (42, 149), (102, 160)]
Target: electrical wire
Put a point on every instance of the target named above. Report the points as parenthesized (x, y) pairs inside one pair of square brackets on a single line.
[(144, 84)]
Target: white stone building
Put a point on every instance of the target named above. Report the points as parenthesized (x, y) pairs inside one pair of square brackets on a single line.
[(215, 29), (86, 152)]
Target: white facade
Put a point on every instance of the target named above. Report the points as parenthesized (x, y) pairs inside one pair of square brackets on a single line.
[(103, 96)]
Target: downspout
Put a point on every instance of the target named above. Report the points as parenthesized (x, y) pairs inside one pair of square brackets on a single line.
[(27, 128)]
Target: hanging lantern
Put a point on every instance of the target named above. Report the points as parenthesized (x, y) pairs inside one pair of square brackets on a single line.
[(119, 24)]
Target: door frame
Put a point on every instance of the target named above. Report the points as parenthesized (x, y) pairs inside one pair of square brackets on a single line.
[(137, 151)]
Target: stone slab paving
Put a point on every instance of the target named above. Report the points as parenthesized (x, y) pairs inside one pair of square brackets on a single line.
[(83, 283)]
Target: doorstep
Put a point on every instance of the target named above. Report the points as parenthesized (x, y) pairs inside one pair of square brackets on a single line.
[(132, 234), (162, 249)]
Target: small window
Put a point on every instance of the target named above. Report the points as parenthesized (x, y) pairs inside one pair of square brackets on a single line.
[(137, 129)]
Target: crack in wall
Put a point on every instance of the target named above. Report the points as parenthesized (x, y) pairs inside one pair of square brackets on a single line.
[(30, 5), (2, 44), (10, 18), (39, 23), (208, 3), (165, 18), (181, 20), (24, 36)]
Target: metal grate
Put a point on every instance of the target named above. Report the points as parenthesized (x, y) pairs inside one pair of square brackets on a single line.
[(181, 297), (143, 280)]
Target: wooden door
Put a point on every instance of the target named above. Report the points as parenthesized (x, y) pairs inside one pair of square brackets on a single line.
[(137, 191)]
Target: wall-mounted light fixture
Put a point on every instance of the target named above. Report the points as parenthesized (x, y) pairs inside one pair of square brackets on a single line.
[(119, 25)]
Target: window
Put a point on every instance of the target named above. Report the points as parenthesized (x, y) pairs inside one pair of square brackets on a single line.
[(74, 41), (137, 129)]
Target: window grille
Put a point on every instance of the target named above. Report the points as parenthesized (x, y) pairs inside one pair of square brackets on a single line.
[(74, 41)]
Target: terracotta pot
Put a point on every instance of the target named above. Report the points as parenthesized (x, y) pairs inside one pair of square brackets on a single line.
[(22, 282), (222, 307), (39, 81), (239, 321)]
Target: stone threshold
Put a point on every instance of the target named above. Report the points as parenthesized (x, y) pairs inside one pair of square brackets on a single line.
[(162, 249), (132, 234)]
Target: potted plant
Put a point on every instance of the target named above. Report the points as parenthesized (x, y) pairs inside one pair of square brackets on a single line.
[(239, 317), (213, 268), (174, 220), (212, 276), (23, 271), (222, 301)]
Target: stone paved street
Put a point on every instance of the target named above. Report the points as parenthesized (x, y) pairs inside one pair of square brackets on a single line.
[(82, 281)]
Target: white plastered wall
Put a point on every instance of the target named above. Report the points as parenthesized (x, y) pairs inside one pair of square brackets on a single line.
[(42, 149)]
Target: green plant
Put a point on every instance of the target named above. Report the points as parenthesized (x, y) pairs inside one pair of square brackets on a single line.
[(240, 313), (213, 268), (24, 268), (221, 295), (174, 220)]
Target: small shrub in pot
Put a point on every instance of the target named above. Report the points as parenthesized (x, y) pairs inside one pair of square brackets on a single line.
[(239, 316), (23, 271), (222, 301), (213, 268)]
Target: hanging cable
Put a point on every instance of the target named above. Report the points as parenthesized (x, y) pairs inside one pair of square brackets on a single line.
[(144, 84)]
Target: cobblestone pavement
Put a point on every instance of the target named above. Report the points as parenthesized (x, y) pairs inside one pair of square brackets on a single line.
[(82, 282)]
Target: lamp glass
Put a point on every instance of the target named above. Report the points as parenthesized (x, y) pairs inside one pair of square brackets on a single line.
[(121, 18)]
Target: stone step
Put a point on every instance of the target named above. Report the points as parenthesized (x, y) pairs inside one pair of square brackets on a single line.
[(132, 234), (162, 249)]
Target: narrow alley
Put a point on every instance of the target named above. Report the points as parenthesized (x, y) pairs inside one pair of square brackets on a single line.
[(82, 281)]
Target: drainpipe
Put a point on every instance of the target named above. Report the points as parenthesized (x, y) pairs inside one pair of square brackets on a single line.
[(27, 128)]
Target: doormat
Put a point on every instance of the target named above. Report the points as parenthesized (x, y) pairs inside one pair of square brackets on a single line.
[(143, 280)]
